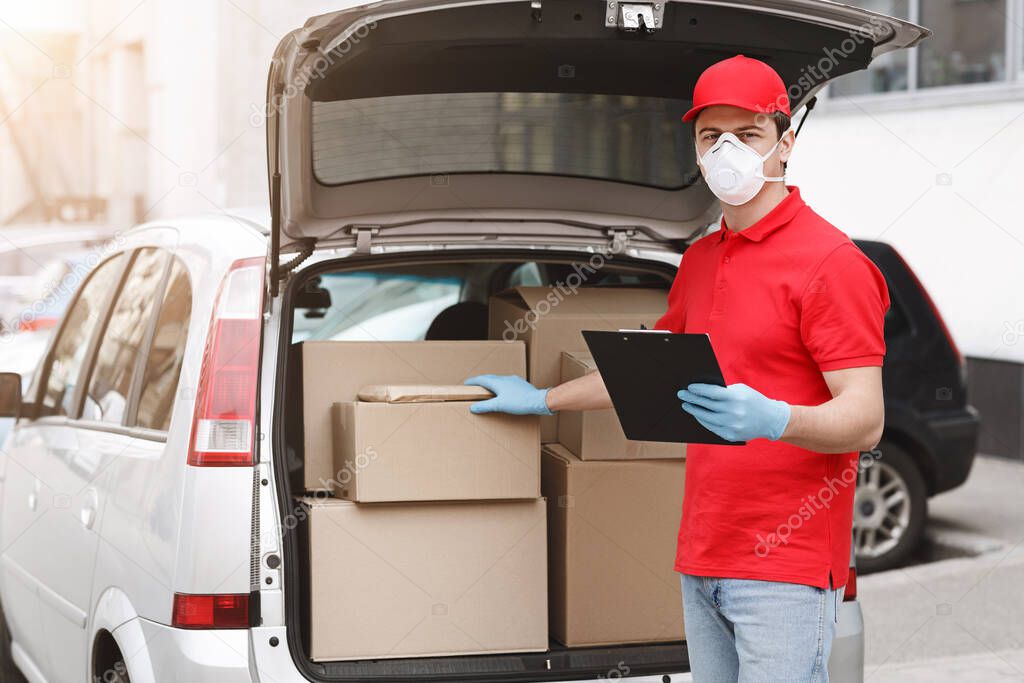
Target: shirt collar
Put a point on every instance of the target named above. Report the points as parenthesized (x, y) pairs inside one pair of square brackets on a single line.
[(773, 220)]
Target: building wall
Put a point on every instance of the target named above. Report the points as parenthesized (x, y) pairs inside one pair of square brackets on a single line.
[(942, 184)]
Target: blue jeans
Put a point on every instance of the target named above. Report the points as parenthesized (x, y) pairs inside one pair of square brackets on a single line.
[(750, 631)]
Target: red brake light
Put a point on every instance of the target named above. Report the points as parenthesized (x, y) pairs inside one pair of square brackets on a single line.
[(850, 592), (225, 412), (210, 611)]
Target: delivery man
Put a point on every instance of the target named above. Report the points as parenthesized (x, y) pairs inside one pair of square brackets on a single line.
[(795, 314)]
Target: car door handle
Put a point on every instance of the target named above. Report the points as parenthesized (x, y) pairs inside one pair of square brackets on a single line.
[(87, 514), (33, 498)]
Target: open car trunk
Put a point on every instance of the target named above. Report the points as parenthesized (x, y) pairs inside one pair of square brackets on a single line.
[(414, 131), (407, 119)]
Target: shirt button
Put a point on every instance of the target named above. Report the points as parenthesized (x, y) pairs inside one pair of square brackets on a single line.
[(725, 260), (721, 285)]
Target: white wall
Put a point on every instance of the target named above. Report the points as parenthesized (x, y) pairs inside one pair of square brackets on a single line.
[(945, 186)]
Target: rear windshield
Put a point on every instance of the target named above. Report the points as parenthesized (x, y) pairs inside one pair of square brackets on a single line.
[(431, 300), (613, 137)]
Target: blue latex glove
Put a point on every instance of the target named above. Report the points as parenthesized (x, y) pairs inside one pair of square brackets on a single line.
[(736, 412), (512, 394)]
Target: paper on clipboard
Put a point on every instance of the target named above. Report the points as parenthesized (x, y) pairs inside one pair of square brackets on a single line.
[(644, 329)]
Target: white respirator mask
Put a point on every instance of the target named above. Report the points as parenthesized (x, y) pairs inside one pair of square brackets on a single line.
[(734, 171)]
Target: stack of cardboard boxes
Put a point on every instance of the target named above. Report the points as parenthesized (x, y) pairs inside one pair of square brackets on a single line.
[(613, 504), (439, 532), (613, 518), (433, 541)]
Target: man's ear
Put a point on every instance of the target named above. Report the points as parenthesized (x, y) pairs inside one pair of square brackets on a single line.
[(786, 145)]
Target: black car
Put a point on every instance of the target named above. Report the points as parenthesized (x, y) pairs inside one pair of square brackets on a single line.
[(931, 432)]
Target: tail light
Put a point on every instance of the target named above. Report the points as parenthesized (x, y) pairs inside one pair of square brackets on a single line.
[(225, 412), (850, 592), (934, 308), (210, 611)]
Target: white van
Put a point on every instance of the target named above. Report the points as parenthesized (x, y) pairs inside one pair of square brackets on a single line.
[(422, 155)]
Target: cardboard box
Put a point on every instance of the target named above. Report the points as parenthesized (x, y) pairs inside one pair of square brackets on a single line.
[(597, 434), (612, 530), (550, 322), (426, 579), (335, 371), (433, 451)]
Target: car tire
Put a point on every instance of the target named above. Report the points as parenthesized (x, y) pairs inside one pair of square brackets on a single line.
[(9, 671), (108, 663), (890, 509)]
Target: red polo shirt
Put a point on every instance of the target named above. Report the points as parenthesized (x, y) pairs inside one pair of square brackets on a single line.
[(783, 301)]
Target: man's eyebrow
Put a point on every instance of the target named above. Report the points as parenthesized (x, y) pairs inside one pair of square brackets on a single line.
[(712, 129)]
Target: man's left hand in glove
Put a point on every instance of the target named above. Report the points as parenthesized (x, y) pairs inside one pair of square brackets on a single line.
[(736, 412)]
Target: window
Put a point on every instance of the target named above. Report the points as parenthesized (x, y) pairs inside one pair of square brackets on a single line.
[(441, 300), (526, 275), (616, 137), (110, 384), (969, 43), (889, 72), (968, 46), (163, 365), (70, 349), (378, 305)]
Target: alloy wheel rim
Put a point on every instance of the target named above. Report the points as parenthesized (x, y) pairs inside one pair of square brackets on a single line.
[(881, 509)]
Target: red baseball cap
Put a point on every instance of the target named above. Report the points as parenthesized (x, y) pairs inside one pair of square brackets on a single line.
[(741, 82)]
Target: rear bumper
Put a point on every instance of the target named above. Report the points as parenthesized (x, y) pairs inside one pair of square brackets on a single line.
[(845, 664), (174, 654), (954, 443)]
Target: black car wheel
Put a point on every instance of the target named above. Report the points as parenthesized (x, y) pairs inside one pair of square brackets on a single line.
[(889, 510)]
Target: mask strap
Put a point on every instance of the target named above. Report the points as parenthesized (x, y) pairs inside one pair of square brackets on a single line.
[(779, 179)]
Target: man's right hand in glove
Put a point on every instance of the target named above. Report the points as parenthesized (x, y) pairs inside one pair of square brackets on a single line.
[(512, 394)]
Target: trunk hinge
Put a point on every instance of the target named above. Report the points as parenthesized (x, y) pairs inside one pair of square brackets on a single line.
[(618, 238), (363, 233), (635, 16)]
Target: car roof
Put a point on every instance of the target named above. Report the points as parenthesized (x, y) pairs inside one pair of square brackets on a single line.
[(235, 233)]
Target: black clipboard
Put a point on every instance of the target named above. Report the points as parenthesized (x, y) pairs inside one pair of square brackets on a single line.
[(644, 369)]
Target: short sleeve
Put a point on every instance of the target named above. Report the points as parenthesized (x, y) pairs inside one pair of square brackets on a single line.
[(842, 318), (674, 317)]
